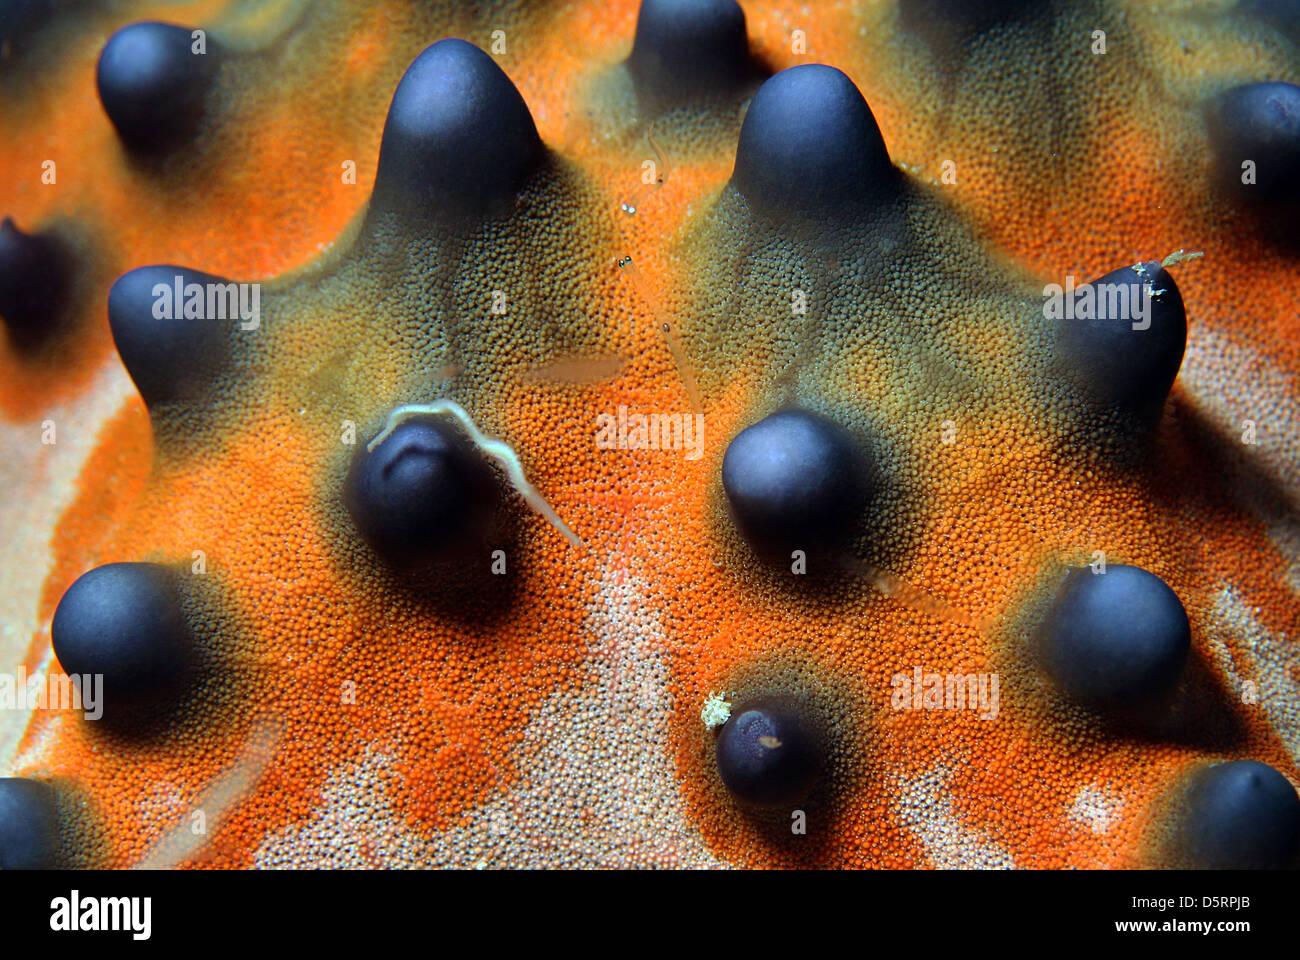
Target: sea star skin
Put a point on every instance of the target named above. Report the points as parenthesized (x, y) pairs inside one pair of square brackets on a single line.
[(346, 713)]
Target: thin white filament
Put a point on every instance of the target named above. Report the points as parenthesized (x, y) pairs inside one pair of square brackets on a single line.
[(496, 449)]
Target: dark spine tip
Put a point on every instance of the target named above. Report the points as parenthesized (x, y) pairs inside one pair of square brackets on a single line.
[(1124, 344), (153, 85), (950, 19), (29, 826), (1242, 815), (459, 140), (687, 49), (1282, 15), (35, 281), (424, 496), (810, 147), (795, 481), (21, 19), (173, 328), (124, 622), (1117, 640), (768, 754), (1258, 125)]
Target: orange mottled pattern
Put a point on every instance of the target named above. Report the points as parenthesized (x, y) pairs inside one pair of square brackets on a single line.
[(345, 719)]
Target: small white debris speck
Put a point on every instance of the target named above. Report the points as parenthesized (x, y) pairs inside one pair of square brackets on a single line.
[(716, 711)]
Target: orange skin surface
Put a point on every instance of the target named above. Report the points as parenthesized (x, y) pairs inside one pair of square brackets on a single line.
[(311, 642)]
